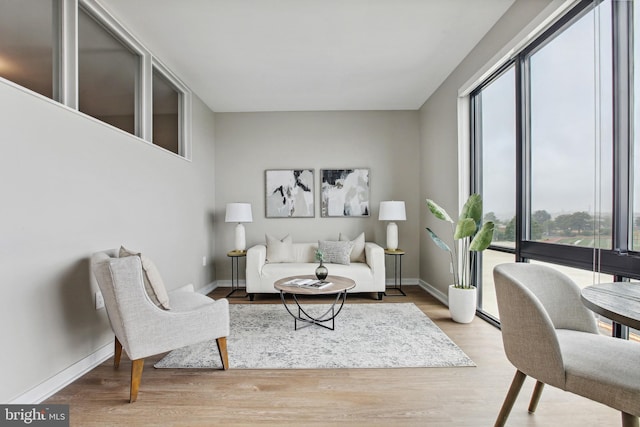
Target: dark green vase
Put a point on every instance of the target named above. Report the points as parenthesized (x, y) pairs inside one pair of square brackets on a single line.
[(322, 272)]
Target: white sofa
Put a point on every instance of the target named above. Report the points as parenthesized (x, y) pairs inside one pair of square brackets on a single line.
[(261, 275)]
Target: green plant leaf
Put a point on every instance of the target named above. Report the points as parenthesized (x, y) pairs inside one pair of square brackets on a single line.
[(473, 209), (482, 240), (438, 241), (465, 228), (438, 211)]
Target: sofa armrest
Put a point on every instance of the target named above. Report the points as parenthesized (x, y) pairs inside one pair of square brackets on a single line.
[(256, 259), (374, 255)]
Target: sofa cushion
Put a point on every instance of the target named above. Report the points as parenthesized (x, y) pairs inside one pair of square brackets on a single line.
[(153, 283), (280, 250), (357, 254), (336, 252)]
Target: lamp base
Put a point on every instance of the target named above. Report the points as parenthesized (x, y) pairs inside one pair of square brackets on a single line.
[(392, 236), (241, 243)]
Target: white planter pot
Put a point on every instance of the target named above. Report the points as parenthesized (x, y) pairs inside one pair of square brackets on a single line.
[(462, 304)]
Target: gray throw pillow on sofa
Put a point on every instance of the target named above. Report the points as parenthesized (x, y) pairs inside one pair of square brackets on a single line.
[(336, 252)]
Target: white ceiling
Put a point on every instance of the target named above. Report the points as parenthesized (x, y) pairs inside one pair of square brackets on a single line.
[(310, 55)]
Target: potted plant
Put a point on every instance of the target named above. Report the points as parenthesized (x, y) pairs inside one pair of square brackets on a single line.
[(473, 236)]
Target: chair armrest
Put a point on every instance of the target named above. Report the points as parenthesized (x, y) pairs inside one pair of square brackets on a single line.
[(256, 259), (170, 329)]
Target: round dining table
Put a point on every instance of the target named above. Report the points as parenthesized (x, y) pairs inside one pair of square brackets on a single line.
[(618, 301)]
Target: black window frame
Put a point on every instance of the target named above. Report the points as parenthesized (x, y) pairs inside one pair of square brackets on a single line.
[(619, 261)]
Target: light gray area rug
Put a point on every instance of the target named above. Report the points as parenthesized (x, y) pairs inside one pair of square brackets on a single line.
[(365, 336)]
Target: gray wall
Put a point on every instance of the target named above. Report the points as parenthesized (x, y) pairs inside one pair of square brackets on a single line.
[(72, 186), (249, 143), (439, 138)]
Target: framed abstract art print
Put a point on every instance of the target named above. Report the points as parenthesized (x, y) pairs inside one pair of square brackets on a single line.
[(344, 192), (289, 193)]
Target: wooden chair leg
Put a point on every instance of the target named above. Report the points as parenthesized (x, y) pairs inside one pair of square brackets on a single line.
[(535, 397), (629, 420), (136, 376), (516, 385), (222, 348), (117, 354)]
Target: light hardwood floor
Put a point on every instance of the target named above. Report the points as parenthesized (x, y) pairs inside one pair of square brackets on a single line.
[(469, 396)]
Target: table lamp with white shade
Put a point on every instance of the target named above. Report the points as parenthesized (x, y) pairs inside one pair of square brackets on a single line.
[(239, 212), (392, 211)]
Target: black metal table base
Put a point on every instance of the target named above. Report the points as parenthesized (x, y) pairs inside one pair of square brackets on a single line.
[(233, 291), (304, 317), (235, 280)]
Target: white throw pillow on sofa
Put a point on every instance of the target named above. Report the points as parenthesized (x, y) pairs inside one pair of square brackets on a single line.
[(279, 250), (336, 252), (357, 254)]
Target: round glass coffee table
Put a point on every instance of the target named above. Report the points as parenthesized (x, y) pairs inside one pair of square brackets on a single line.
[(338, 287)]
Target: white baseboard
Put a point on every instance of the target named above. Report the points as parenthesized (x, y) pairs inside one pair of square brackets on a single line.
[(405, 281), (437, 294), (64, 378), (208, 288)]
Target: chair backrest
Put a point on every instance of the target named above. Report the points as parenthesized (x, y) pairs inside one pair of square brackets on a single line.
[(122, 286), (534, 301)]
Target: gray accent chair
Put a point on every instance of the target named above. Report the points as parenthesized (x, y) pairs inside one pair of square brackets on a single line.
[(141, 328), (550, 336)]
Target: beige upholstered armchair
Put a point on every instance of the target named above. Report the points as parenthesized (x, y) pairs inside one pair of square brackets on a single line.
[(549, 335), (143, 328)]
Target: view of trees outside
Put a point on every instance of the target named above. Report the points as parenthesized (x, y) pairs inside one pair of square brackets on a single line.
[(577, 228)]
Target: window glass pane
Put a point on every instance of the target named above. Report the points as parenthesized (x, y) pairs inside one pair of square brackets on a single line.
[(498, 138), (166, 118), (107, 75), (570, 125), (28, 43), (490, 259), (635, 243)]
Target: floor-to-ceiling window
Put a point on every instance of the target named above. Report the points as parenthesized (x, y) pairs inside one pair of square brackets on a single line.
[(552, 140)]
